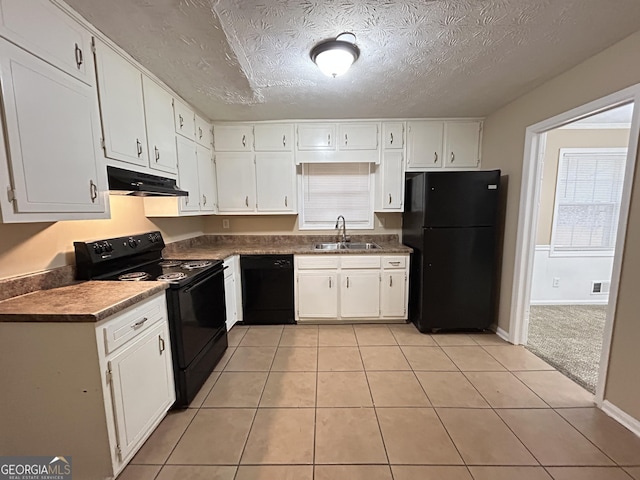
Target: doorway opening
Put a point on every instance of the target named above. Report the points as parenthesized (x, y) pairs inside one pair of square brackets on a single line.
[(576, 191)]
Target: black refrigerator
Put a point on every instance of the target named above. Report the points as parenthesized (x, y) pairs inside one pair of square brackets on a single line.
[(450, 221)]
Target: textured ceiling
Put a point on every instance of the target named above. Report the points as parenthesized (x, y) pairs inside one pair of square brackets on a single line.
[(237, 60)]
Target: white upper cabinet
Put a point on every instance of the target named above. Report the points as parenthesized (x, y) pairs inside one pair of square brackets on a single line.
[(158, 105), (233, 138), (122, 106), (184, 120), (188, 175), (206, 179), (390, 182), (392, 135), (275, 182), (316, 136), (204, 135), (52, 129), (49, 33), (443, 144), (424, 144), (273, 137), (236, 181), (462, 144), (358, 136)]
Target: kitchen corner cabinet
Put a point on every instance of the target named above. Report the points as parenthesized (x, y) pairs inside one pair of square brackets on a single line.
[(450, 144), (122, 107), (350, 288), (111, 382), (233, 138), (51, 143)]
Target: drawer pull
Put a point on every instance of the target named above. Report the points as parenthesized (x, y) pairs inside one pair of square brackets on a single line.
[(395, 264), (347, 282), (139, 323), (329, 282), (390, 281), (161, 344)]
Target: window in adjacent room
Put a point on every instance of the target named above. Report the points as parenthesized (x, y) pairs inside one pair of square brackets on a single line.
[(587, 203), (332, 189)]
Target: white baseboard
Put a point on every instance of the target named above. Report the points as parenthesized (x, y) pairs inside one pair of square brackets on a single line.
[(621, 417), (604, 301), (500, 332)]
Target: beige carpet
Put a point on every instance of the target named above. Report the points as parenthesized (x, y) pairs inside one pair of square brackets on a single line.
[(569, 337)]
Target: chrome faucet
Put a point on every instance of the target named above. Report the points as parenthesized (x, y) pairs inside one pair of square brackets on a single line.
[(344, 228)]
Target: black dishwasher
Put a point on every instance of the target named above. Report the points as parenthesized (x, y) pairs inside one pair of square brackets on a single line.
[(267, 289)]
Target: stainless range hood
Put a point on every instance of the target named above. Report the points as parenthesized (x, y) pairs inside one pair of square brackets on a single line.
[(126, 182)]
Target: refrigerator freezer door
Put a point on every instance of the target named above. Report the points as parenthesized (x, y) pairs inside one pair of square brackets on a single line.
[(461, 199), (458, 276)]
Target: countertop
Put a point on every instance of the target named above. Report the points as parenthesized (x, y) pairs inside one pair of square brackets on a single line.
[(90, 301), (220, 251)]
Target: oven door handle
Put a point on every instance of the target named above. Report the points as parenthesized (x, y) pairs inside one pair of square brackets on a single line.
[(206, 279)]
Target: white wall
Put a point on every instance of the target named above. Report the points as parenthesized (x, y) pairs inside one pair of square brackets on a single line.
[(575, 276)]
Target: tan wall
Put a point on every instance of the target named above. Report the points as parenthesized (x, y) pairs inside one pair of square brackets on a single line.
[(288, 225), (34, 247), (568, 138), (503, 147)]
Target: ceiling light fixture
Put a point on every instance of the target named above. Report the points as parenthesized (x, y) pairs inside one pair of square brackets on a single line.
[(335, 57)]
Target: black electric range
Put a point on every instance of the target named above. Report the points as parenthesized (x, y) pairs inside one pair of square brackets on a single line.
[(195, 299)]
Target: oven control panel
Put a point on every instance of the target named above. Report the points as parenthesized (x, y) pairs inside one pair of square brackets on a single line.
[(97, 252)]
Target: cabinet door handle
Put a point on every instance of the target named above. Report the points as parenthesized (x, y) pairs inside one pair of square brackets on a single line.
[(139, 323), (285, 201), (284, 140), (161, 344), (138, 147), (347, 282), (391, 135), (244, 140), (93, 191), (329, 140), (181, 121), (79, 59), (246, 201), (453, 157), (200, 132), (157, 153), (204, 199), (390, 281), (389, 199), (329, 282), (435, 157), (346, 139), (395, 264)]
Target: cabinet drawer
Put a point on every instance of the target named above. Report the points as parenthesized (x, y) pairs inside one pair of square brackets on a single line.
[(394, 262), (360, 261), (129, 325), (316, 262)]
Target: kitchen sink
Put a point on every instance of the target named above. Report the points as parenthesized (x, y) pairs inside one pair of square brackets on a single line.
[(346, 246)]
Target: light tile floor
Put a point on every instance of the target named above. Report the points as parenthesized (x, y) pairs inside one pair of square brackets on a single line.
[(384, 402)]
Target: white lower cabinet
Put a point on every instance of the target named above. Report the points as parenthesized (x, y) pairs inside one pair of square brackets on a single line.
[(350, 288), (233, 290), (98, 389)]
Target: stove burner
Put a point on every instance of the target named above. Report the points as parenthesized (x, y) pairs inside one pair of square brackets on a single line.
[(172, 277), (134, 277), (170, 263), (195, 265)]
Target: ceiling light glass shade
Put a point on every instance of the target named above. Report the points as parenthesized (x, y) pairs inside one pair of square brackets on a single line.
[(335, 57)]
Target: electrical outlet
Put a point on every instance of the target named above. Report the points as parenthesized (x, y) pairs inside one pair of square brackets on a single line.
[(556, 282), (225, 223)]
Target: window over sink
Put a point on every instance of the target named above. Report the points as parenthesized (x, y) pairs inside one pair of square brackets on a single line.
[(332, 189)]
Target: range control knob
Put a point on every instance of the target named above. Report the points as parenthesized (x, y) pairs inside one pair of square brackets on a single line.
[(97, 248), (132, 243), (107, 247)]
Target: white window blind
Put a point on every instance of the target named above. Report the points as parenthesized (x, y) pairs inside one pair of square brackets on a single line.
[(332, 189), (587, 203)]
